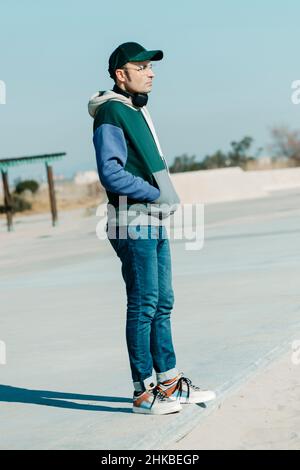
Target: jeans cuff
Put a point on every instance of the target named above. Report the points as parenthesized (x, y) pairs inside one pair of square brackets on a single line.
[(169, 374), (143, 384)]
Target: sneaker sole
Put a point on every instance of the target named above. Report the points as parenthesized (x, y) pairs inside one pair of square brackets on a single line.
[(174, 409), (185, 401)]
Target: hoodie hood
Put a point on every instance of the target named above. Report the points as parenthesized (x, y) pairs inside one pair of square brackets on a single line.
[(101, 97)]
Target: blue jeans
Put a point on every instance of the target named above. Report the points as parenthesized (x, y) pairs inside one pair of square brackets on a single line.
[(144, 252)]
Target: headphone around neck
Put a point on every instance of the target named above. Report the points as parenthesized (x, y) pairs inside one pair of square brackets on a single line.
[(138, 99)]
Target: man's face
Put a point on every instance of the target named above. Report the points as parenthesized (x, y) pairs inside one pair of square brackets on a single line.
[(133, 79)]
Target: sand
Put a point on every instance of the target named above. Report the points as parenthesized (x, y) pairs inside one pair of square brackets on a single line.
[(263, 415)]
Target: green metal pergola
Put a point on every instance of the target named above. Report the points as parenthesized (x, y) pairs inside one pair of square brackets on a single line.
[(6, 163)]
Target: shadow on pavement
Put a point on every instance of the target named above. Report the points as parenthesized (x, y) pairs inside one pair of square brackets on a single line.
[(60, 399)]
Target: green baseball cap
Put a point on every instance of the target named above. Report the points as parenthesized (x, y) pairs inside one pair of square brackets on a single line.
[(130, 52)]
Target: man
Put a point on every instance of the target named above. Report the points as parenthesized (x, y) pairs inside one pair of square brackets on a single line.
[(135, 175)]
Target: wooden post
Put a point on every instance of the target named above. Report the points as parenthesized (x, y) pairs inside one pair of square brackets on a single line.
[(7, 201), (51, 194)]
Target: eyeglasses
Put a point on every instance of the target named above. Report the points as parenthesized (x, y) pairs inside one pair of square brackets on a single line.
[(141, 68)]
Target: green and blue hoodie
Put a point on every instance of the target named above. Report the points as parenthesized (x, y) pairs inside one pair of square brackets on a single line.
[(129, 159)]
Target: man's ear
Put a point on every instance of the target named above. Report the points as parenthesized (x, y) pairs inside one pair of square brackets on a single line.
[(119, 74)]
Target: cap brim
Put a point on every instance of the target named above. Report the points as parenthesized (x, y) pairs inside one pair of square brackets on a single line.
[(147, 55)]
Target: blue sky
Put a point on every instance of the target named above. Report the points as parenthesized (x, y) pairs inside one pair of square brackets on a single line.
[(226, 73)]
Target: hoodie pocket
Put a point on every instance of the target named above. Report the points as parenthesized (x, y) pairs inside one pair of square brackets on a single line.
[(168, 194)]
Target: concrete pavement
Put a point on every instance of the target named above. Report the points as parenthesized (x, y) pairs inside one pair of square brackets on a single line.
[(67, 384)]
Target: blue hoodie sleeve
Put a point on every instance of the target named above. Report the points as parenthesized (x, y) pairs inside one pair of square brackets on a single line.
[(111, 155)]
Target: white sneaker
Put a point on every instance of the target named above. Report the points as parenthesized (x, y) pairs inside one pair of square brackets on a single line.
[(187, 392), (154, 402)]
